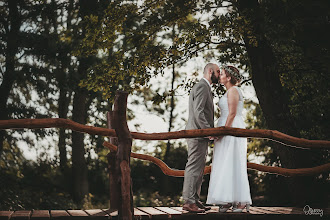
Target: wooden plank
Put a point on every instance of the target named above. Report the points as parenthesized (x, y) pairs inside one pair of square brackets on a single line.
[(254, 214), (113, 213), (184, 211), (59, 214), (179, 209), (172, 213), (255, 211), (22, 214), (138, 214), (190, 215), (292, 210), (169, 211), (257, 214), (151, 211), (214, 213), (214, 209), (285, 210), (40, 215), (266, 211), (296, 210), (155, 213), (281, 210), (271, 209), (5, 215), (77, 214), (97, 214)]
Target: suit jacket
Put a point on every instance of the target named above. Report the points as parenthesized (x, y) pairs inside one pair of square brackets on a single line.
[(201, 108)]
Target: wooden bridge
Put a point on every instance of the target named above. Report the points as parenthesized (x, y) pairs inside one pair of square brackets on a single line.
[(168, 213), (121, 195)]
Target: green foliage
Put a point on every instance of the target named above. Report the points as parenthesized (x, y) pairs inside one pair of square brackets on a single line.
[(30, 185), (129, 53), (41, 185), (148, 179), (154, 199), (297, 31)]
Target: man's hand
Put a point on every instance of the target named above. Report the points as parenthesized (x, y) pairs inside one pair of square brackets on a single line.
[(211, 138)]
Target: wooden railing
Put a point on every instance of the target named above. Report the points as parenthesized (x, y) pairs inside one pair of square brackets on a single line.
[(268, 169), (121, 196), (238, 132)]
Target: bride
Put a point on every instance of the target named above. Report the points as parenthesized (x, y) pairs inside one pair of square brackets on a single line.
[(229, 185)]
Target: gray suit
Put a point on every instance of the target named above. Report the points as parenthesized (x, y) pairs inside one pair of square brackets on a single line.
[(201, 115)]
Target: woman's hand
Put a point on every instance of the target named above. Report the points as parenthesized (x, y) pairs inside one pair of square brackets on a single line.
[(218, 138), (211, 138)]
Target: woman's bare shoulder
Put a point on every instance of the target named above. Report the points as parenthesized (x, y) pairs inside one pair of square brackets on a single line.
[(232, 92)]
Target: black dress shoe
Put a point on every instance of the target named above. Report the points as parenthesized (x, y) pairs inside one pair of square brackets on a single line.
[(201, 206)]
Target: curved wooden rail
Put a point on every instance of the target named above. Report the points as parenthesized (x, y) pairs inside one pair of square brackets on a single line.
[(256, 133), (238, 132), (55, 123), (274, 170)]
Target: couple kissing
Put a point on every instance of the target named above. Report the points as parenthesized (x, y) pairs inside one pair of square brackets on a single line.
[(229, 186)]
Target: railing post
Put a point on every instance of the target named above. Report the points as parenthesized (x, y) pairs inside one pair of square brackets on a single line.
[(113, 176), (123, 170)]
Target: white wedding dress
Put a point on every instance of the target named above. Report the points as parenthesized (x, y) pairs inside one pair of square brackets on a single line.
[(229, 181)]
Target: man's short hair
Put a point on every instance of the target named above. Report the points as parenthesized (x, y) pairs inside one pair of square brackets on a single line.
[(207, 67)]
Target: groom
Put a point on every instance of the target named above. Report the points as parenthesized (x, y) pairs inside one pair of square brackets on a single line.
[(201, 115)]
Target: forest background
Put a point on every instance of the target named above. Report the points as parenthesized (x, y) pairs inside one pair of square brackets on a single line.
[(67, 58)]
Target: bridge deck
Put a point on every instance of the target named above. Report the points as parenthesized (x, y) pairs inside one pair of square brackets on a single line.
[(165, 213)]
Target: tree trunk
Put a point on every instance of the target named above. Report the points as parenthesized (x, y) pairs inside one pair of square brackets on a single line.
[(10, 73), (62, 79), (63, 105), (166, 181), (168, 146), (272, 97), (113, 175), (126, 210), (79, 166), (79, 113)]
